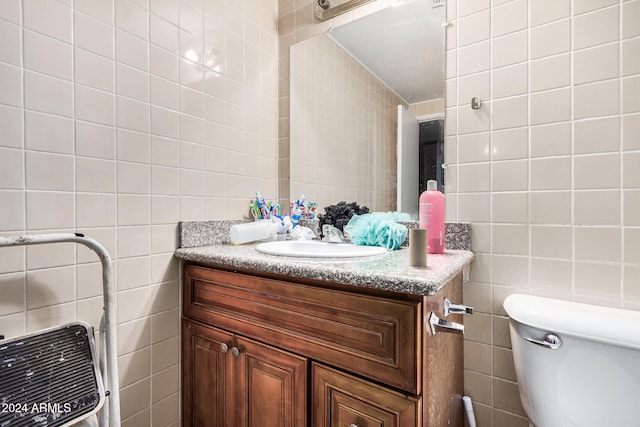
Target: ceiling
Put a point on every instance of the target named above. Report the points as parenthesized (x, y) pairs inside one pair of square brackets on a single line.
[(402, 45)]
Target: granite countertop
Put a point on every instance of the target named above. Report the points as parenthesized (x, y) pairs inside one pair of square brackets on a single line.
[(390, 272)]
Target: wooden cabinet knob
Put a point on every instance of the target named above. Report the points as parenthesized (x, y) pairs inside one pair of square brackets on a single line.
[(224, 347)]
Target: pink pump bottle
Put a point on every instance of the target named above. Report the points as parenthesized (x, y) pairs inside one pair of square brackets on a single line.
[(432, 217)]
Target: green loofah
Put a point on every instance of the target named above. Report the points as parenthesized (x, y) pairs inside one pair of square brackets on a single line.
[(378, 229)]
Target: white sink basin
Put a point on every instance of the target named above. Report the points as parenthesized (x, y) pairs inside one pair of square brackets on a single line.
[(317, 249)]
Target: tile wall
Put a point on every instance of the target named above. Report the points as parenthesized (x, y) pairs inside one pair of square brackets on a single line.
[(343, 129), (547, 171), (118, 119)]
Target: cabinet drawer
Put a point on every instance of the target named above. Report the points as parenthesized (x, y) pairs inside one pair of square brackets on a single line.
[(343, 400), (368, 335)]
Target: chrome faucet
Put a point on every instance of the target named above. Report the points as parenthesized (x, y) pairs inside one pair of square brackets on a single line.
[(332, 234)]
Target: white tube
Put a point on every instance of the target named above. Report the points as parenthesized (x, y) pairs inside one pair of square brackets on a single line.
[(468, 407), (104, 413), (252, 231)]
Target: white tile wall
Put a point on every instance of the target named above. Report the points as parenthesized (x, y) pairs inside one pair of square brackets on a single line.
[(119, 119), (554, 209)]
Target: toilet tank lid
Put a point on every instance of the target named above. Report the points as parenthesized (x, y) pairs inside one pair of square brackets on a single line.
[(606, 324)]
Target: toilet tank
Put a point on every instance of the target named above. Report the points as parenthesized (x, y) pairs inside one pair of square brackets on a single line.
[(592, 378)]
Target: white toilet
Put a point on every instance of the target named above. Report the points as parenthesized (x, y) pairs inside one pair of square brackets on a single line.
[(576, 364)]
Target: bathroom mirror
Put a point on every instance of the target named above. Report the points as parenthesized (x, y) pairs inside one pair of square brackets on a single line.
[(346, 86)]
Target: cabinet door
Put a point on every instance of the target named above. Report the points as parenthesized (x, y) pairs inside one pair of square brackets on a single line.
[(271, 386), (205, 374), (342, 400)]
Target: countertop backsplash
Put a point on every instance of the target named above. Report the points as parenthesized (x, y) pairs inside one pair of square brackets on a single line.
[(214, 232)]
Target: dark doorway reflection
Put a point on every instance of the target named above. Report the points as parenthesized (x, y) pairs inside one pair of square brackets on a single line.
[(431, 142)]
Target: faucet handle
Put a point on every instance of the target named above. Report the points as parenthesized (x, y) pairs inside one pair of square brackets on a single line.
[(450, 308), (332, 234), (447, 326)]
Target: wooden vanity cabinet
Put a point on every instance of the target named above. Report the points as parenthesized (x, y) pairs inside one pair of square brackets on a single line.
[(277, 351)]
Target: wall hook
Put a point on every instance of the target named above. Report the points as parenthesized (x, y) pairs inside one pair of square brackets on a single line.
[(475, 103)]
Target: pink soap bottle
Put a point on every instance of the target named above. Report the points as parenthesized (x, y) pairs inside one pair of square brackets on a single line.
[(432, 217)]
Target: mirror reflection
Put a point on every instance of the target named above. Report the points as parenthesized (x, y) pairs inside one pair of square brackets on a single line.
[(360, 95)]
